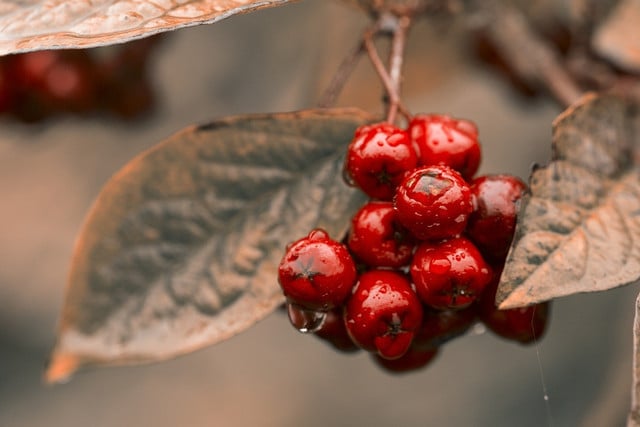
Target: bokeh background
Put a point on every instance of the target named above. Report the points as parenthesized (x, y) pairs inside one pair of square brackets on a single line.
[(280, 60)]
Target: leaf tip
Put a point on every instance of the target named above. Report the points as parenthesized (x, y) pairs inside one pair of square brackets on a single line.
[(60, 368), (516, 299)]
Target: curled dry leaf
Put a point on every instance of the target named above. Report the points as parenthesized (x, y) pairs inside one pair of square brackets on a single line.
[(28, 25), (579, 229), (617, 37), (181, 248)]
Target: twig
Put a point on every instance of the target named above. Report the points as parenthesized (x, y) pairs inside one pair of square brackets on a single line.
[(391, 86), (398, 45), (529, 55), (345, 70)]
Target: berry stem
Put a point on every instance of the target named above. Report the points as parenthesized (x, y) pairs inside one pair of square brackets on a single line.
[(398, 46), (391, 84)]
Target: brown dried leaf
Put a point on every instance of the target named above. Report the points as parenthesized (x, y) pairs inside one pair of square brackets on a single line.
[(181, 248), (618, 37), (579, 229), (28, 25)]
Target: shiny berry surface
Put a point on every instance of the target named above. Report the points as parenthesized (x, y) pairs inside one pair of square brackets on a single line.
[(378, 158), (433, 203), (377, 239), (383, 313), (444, 140), (449, 275), (524, 325), (317, 272), (493, 220), (412, 360)]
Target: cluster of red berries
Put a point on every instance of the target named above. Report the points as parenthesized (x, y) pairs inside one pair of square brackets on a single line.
[(38, 85), (422, 259)]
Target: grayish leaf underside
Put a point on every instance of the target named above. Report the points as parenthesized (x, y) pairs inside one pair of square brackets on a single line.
[(579, 229), (182, 247), (45, 24)]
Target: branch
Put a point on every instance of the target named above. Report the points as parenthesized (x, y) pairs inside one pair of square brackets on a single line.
[(528, 54), (346, 68), (398, 27), (398, 45)]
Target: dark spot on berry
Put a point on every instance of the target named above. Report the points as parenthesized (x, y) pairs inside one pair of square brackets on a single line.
[(431, 184)]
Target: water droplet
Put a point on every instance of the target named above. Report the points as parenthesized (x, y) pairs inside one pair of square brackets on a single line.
[(305, 320), (318, 234), (346, 176), (478, 329)]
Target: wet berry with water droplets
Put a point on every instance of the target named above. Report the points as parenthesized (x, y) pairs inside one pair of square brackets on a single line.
[(378, 158), (433, 203), (450, 274), (317, 272), (441, 139), (383, 313), (377, 239), (493, 220)]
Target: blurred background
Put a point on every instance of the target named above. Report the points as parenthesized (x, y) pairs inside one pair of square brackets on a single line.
[(280, 60)]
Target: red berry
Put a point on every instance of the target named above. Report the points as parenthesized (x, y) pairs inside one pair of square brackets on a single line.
[(378, 158), (377, 239), (27, 72), (493, 221), (383, 313), (443, 140), (334, 331), (412, 360), (317, 272), (524, 325), (440, 326), (125, 87), (449, 275), (70, 82), (433, 203), (7, 88), (30, 69)]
